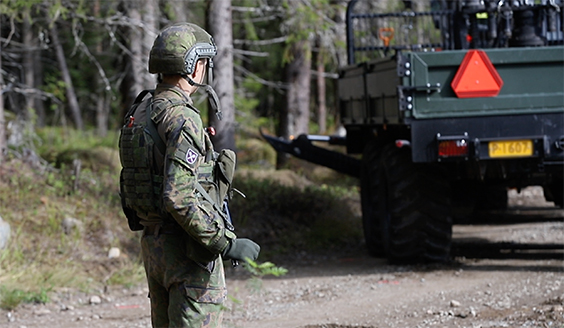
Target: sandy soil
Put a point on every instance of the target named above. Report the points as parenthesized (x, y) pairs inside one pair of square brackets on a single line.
[(506, 273)]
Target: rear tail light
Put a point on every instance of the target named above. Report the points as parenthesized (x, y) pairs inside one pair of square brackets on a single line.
[(450, 148), (453, 146)]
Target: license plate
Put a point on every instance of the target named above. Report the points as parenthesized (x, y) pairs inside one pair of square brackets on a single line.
[(513, 148)]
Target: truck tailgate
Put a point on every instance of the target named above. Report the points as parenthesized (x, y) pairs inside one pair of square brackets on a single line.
[(533, 82)]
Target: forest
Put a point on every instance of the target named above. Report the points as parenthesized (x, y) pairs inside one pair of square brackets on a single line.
[(80, 64)]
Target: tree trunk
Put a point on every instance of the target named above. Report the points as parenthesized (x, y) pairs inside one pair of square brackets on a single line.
[(2, 121), (28, 67), (32, 74), (141, 40), (38, 80), (102, 106), (341, 53), (220, 27), (178, 12), (321, 93), (298, 77), (150, 17), (71, 96), (294, 119)]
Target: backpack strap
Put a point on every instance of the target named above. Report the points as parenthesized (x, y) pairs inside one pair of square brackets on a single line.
[(152, 130), (137, 100), (151, 126)]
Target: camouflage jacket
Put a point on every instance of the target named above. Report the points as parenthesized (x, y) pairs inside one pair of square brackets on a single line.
[(188, 149)]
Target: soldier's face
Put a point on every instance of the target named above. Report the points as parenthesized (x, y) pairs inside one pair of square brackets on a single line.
[(200, 70)]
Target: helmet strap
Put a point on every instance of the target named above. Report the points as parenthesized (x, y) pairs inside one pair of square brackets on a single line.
[(212, 96)]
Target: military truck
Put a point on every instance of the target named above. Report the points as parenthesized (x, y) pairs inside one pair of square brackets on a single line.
[(449, 104)]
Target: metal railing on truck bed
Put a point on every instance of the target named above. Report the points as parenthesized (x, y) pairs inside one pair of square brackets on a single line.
[(449, 25)]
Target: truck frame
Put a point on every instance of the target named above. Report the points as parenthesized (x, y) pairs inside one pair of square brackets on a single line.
[(466, 101)]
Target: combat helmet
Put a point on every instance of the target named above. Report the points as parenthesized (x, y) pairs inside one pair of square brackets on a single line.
[(178, 47)]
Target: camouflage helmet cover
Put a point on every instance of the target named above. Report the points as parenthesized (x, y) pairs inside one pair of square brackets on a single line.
[(178, 47)]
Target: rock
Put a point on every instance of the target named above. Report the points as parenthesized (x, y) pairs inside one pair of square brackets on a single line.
[(114, 253), (10, 316), (71, 224), (454, 303), (41, 311), (4, 233), (95, 300), (557, 308), (65, 307)]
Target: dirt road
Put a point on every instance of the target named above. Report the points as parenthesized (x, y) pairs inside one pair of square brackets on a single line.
[(502, 275)]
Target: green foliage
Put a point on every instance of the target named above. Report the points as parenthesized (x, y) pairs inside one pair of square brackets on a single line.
[(305, 21), (60, 146), (264, 269), (244, 103), (17, 9), (258, 271), (11, 298), (55, 86)]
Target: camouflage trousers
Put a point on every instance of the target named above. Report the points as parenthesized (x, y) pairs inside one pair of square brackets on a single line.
[(183, 293)]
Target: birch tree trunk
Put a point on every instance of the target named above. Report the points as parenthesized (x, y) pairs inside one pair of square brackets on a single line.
[(220, 27), (69, 88)]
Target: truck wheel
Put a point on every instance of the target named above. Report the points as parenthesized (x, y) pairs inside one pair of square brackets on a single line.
[(368, 196), (413, 207)]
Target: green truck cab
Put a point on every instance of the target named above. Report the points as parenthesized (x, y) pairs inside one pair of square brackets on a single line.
[(450, 104)]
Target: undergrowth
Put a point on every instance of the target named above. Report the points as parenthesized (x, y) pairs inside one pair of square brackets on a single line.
[(45, 255)]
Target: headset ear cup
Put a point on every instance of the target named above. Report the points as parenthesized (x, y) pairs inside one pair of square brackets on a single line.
[(190, 61)]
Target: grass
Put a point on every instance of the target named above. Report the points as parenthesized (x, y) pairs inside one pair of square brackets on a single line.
[(11, 298), (284, 212)]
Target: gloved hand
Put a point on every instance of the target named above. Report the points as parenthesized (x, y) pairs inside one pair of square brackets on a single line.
[(240, 249)]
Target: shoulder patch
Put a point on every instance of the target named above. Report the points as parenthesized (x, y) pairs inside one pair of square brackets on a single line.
[(191, 156)]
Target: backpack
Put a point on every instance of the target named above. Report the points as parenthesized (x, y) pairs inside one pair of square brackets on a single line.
[(141, 185)]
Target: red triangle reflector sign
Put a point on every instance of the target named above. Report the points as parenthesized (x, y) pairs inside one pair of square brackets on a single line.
[(476, 77)]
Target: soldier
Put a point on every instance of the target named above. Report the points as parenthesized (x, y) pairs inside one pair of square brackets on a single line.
[(185, 240)]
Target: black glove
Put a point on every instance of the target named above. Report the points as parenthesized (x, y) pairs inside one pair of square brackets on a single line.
[(240, 249)]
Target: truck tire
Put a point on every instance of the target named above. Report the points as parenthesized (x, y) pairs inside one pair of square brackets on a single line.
[(413, 208), (368, 196)]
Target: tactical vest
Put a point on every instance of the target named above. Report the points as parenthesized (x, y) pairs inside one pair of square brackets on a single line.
[(141, 178)]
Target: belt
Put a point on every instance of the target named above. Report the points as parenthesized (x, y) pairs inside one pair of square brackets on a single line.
[(164, 229)]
